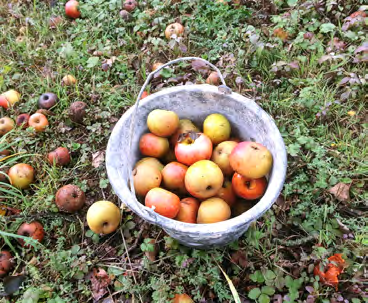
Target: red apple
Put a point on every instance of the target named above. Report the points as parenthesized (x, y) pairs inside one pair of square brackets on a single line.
[(59, 156), (166, 203), (153, 146), (251, 159), (71, 9), (162, 122), (188, 210), (144, 95), (21, 175), (130, 5), (227, 193), (9, 98), (33, 229), (38, 121), (5, 262), (203, 179), (173, 176), (192, 147), (182, 298), (70, 198), (249, 189), (221, 156), (6, 125), (145, 177), (22, 120), (174, 28)]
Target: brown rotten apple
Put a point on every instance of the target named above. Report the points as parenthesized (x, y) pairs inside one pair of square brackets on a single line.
[(22, 120), (162, 123), (34, 230), (77, 111), (47, 100), (38, 121), (70, 198), (251, 159), (6, 125), (153, 146), (103, 217), (21, 175), (203, 179), (5, 262), (59, 156), (174, 28)]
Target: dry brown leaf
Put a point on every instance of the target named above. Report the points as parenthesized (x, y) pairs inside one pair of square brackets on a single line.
[(100, 281), (98, 158), (340, 191)]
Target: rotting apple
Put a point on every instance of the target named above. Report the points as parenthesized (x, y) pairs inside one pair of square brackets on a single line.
[(47, 100), (213, 79), (166, 203), (55, 21), (21, 175), (217, 127), (227, 193), (70, 198), (156, 65), (151, 161), (6, 125), (247, 188), (188, 210), (182, 298), (71, 9), (213, 210), (185, 126), (38, 121), (130, 5), (174, 28), (162, 123), (203, 179), (145, 177), (251, 159), (69, 80), (221, 156), (34, 230), (125, 15), (173, 176), (6, 263), (77, 111), (192, 147), (103, 217), (22, 120), (9, 98), (59, 157), (153, 146)]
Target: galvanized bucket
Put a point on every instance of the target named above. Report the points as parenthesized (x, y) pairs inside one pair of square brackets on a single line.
[(248, 120)]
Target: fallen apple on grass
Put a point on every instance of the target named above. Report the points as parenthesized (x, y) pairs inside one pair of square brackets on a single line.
[(145, 177), (221, 156), (174, 29), (68, 80), (77, 111), (38, 121), (166, 203), (5, 262), (34, 230), (213, 79), (156, 65), (6, 125), (103, 217), (182, 298), (55, 21), (9, 98), (173, 176), (162, 123), (47, 100), (249, 189), (213, 210), (251, 159), (153, 146), (188, 210), (59, 157), (192, 147), (130, 5), (217, 127), (22, 120), (203, 179), (21, 175), (71, 9), (70, 198)]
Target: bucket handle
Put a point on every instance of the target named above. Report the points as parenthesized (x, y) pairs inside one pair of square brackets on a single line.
[(151, 216)]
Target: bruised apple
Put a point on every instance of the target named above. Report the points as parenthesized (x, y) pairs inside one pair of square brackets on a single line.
[(34, 230), (59, 156), (5, 262), (192, 147), (249, 189), (203, 179), (150, 161), (182, 298), (103, 217), (221, 156), (185, 126), (70, 198), (22, 120), (217, 128), (6, 125), (227, 193), (251, 159), (173, 176), (188, 210), (166, 203), (162, 122), (146, 177), (153, 146), (21, 175), (213, 210), (174, 29)]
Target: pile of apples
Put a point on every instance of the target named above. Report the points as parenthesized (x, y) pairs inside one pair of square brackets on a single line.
[(208, 174)]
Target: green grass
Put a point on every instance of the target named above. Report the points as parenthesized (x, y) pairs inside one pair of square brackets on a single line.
[(274, 259)]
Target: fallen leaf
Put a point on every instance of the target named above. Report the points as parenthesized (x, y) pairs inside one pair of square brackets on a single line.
[(280, 33), (200, 66), (100, 281), (13, 283), (98, 158), (329, 274), (240, 258), (341, 192)]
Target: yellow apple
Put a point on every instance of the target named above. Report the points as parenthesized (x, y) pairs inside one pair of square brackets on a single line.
[(162, 123), (103, 217), (213, 210), (217, 128), (221, 156)]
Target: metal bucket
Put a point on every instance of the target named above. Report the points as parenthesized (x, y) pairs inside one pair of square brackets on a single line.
[(249, 122)]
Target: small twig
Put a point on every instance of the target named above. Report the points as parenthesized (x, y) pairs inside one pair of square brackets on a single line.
[(135, 244), (296, 242)]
